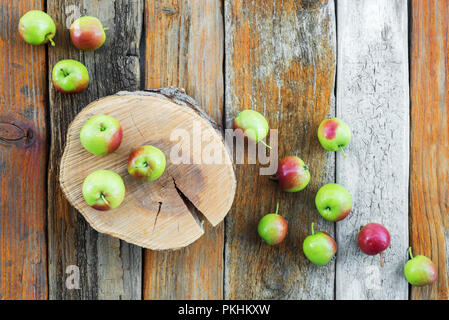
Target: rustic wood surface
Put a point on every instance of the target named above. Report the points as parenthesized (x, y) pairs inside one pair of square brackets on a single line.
[(280, 61), (23, 154), (429, 167), (372, 96), (277, 57), (153, 215), (108, 268), (184, 48)]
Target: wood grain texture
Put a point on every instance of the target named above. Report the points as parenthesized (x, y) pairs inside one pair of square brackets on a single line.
[(23, 156), (153, 214), (429, 167), (372, 97), (280, 61), (184, 48), (109, 268)]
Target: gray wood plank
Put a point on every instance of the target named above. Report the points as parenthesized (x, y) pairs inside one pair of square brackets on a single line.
[(280, 61), (109, 268), (372, 97)]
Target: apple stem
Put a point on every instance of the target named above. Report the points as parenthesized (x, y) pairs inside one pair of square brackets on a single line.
[(381, 260), (104, 199), (106, 29), (64, 73), (50, 40), (266, 145), (277, 208), (342, 151), (313, 231), (410, 252)]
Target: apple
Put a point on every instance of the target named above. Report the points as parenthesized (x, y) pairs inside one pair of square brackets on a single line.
[(146, 163), (333, 202), (420, 270), (334, 134), (103, 190), (292, 174), (70, 76), (319, 247), (272, 228), (87, 33), (253, 124), (101, 135), (36, 27), (373, 239)]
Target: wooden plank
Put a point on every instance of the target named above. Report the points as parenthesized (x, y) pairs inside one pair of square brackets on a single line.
[(184, 48), (280, 61), (108, 268), (372, 97), (429, 167), (23, 156)]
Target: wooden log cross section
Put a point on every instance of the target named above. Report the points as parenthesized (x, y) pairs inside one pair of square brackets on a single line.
[(155, 215), (295, 61)]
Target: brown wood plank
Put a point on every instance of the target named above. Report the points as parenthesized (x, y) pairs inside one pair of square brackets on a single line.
[(109, 268), (23, 156), (280, 61), (184, 48), (429, 167)]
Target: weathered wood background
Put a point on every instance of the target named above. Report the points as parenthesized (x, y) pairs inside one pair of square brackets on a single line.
[(382, 66)]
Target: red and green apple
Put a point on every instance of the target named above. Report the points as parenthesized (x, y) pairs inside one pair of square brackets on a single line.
[(319, 247), (101, 135), (333, 202), (146, 163), (70, 76), (293, 175), (253, 124), (103, 190), (334, 134), (420, 270), (272, 228), (87, 33), (36, 27)]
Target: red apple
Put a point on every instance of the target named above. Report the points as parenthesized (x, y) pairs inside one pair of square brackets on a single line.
[(373, 239), (87, 33), (292, 174)]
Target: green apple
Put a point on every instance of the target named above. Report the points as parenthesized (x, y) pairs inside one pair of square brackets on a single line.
[(420, 270), (36, 27), (333, 202), (272, 228), (334, 134), (253, 124), (103, 190), (293, 175), (319, 247), (70, 76), (101, 135), (146, 163), (87, 33)]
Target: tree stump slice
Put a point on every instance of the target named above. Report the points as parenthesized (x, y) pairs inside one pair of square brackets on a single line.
[(156, 214)]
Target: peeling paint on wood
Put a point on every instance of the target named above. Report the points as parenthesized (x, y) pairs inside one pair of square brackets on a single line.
[(372, 97)]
